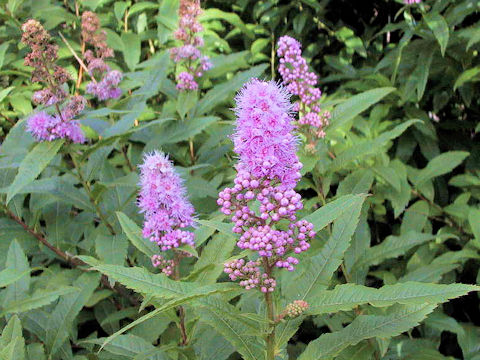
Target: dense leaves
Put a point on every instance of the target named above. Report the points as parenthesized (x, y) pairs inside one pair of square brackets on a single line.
[(393, 190)]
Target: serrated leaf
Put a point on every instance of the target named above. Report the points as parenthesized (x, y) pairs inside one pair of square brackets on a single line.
[(36, 300), (9, 276), (394, 246), (17, 260), (222, 92), (355, 105), (332, 211), (225, 319), (369, 147), (314, 274), (127, 345), (134, 234), (397, 320), (200, 292), (440, 165), (347, 296), (157, 285), (33, 164), (67, 309)]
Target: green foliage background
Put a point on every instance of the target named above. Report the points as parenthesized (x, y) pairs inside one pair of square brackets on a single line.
[(402, 86)]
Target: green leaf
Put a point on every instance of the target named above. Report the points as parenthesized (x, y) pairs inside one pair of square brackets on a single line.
[(314, 274), (474, 220), (182, 130), (199, 292), (9, 276), (128, 346), (466, 76), (355, 105), (33, 164), (112, 249), (332, 211), (396, 321), (142, 6), (225, 319), (440, 165), (134, 234), (132, 49), (157, 285), (221, 227), (439, 27), (369, 147), (36, 300), (63, 316), (348, 296), (12, 343), (222, 93), (4, 93), (394, 246), (17, 260), (232, 18), (3, 50)]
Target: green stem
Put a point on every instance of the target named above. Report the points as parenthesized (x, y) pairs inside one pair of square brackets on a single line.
[(270, 337), (181, 310)]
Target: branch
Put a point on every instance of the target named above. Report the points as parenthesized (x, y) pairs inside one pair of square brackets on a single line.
[(75, 262)]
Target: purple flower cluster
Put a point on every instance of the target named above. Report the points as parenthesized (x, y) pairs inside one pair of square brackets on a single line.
[(163, 201), (46, 127), (249, 275), (301, 82), (43, 59), (263, 194), (409, 2), (167, 266), (107, 87), (189, 56)]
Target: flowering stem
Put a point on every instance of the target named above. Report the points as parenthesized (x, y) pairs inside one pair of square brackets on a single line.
[(270, 338), (181, 310), (88, 190), (192, 151)]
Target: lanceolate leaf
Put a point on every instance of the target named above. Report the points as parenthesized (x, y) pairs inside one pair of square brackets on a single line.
[(314, 274), (333, 210), (439, 26), (440, 165), (355, 105), (369, 147), (200, 293), (64, 314), (394, 246), (36, 300), (33, 164), (157, 285), (134, 234), (9, 276), (225, 319), (348, 296), (397, 320)]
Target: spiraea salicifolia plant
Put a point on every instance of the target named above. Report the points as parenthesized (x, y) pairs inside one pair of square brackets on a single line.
[(188, 57), (267, 173), (112, 250), (104, 84), (300, 81), (167, 211), (43, 57)]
